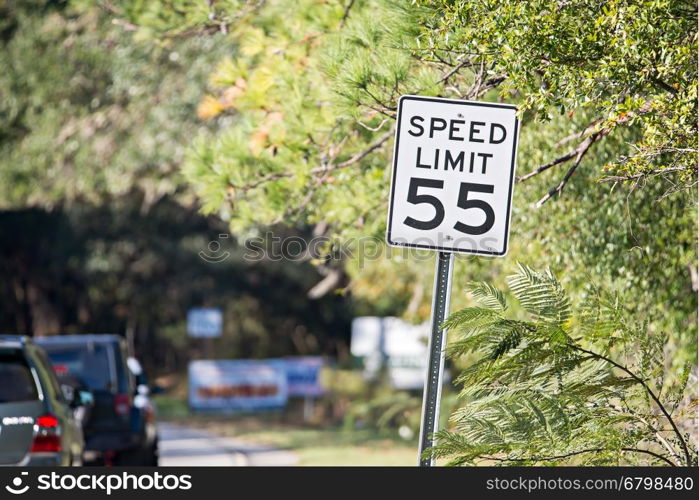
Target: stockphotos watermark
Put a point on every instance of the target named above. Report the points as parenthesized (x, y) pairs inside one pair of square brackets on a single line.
[(107, 483), (272, 247)]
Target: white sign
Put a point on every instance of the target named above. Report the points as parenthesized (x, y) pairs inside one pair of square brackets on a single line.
[(453, 173), (401, 345), (204, 322)]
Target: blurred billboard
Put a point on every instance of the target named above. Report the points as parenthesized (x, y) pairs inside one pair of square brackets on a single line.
[(237, 385)]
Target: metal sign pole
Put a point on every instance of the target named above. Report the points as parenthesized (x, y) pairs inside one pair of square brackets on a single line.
[(432, 392)]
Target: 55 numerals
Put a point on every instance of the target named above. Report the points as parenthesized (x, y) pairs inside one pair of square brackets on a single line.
[(463, 202)]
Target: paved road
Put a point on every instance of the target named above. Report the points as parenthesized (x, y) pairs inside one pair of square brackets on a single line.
[(185, 446)]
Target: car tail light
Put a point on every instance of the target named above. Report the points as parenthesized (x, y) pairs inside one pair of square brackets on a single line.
[(122, 404), (60, 369), (47, 438), (47, 421)]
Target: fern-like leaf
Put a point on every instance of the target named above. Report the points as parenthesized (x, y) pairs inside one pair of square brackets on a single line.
[(534, 395), (470, 318), (487, 295), (540, 294)]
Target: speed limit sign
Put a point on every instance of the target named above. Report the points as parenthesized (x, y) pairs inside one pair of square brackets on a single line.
[(451, 191), (453, 174)]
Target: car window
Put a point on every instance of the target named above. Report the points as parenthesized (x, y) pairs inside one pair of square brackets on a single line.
[(48, 375), (16, 380), (92, 364)]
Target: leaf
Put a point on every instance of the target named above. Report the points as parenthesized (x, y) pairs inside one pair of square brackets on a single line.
[(540, 294), (487, 295), (470, 318), (209, 107)]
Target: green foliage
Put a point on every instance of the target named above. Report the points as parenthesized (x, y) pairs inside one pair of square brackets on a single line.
[(541, 295), (295, 124), (313, 90), (487, 295), (87, 113), (307, 99), (307, 102), (296, 91), (627, 63), (563, 387)]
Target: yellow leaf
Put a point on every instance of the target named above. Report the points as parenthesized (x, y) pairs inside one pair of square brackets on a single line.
[(252, 42), (209, 107)]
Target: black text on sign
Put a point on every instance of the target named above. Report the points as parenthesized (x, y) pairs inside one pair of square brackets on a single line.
[(453, 175)]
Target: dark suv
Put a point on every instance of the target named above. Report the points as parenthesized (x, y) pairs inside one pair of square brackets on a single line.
[(120, 429), (37, 423)]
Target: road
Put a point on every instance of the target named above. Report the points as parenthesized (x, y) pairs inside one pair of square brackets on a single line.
[(185, 446)]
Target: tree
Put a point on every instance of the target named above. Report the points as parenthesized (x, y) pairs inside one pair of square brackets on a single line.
[(563, 385), (308, 100), (314, 90), (89, 113), (115, 269), (99, 231), (629, 65)]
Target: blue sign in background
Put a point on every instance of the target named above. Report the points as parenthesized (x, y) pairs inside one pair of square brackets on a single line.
[(204, 322), (237, 385), (303, 375)]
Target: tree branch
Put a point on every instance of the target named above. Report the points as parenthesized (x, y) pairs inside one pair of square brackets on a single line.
[(653, 396), (577, 135), (215, 25), (542, 168), (644, 421), (346, 13), (357, 157), (322, 169), (580, 152), (664, 86), (661, 171), (455, 69), (580, 452)]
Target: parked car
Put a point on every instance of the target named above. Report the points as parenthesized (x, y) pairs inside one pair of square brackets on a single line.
[(37, 422), (119, 430)]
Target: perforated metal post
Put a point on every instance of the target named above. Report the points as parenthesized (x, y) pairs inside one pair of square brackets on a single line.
[(432, 391)]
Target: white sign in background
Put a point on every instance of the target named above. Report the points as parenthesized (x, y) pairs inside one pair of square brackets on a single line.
[(453, 175), (404, 346)]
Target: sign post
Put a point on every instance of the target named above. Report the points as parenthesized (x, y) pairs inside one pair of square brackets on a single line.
[(432, 392), (205, 323), (451, 191)]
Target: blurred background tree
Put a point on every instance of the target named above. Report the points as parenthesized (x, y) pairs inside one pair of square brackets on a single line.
[(99, 230), (278, 115), (606, 94)]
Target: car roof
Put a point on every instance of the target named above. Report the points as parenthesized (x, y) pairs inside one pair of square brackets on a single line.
[(78, 339), (13, 341)]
